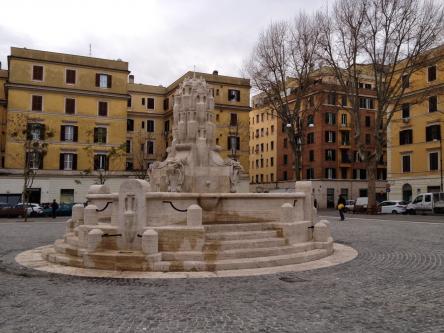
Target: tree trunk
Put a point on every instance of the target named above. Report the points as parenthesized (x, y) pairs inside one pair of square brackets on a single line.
[(371, 176), (297, 164)]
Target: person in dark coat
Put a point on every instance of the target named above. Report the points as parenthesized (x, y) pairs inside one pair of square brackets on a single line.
[(54, 207), (341, 207)]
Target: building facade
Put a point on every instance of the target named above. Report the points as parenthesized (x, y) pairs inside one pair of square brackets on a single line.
[(329, 150), (96, 124), (415, 134)]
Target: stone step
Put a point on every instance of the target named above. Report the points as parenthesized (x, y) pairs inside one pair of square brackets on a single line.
[(241, 235), (63, 259), (257, 252), (243, 263), (221, 245), (61, 246), (72, 240), (232, 227)]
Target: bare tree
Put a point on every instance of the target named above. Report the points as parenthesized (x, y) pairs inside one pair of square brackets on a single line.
[(33, 136), (139, 154), (101, 168), (281, 68), (384, 40)]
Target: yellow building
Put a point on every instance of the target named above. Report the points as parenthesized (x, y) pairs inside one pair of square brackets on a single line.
[(3, 104), (415, 137), (95, 120)]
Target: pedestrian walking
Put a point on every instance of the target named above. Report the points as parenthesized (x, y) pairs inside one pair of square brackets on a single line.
[(54, 207), (341, 207)]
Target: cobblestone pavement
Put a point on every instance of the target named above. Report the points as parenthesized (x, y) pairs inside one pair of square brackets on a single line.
[(396, 284)]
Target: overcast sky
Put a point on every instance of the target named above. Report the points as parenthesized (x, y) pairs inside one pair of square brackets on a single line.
[(161, 40)]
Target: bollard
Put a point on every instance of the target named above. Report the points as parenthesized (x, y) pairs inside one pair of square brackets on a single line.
[(90, 215), (94, 239), (287, 213), (194, 216), (150, 242)]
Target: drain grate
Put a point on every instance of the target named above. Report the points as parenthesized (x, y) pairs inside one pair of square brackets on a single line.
[(292, 279)]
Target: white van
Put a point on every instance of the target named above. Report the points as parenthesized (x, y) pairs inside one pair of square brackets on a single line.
[(427, 202)]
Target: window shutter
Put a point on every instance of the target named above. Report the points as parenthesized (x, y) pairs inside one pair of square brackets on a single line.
[(106, 163), (326, 117), (40, 161), (97, 80), (96, 135), (62, 161), (42, 132), (238, 143), (62, 133), (28, 131), (334, 136), (326, 136), (110, 81), (96, 162), (143, 101), (228, 142), (333, 117), (74, 161), (76, 134)]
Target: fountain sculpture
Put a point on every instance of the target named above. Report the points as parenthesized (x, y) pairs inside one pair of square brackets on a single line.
[(190, 217)]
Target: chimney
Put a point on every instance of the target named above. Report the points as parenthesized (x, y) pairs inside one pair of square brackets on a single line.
[(215, 73), (131, 79)]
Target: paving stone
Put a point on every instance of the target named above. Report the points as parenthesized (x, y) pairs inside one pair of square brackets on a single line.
[(396, 284)]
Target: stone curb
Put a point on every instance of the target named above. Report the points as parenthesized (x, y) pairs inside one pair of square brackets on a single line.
[(33, 259)]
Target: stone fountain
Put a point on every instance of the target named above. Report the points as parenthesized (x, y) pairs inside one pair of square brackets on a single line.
[(189, 217)]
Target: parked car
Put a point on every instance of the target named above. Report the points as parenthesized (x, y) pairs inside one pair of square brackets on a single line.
[(427, 202), (349, 205), (8, 210), (64, 209), (360, 205), (32, 209), (392, 207)]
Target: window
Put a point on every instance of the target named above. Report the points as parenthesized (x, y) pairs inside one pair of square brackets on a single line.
[(368, 121), (128, 102), (272, 129), (100, 162), (69, 133), (166, 103), (130, 125), (311, 155), (330, 118), (70, 105), (272, 177), (68, 161), (37, 103), (406, 137), (103, 80), (233, 95), (233, 119), (150, 103), (217, 118), (331, 98), (285, 143), (310, 138), (365, 103), (344, 173), (285, 175), (70, 76), (67, 195), (271, 161), (433, 103), (330, 173), (310, 173), (433, 132), (406, 163), (166, 126), (262, 147), (103, 109), (262, 117), (128, 146), (405, 81), (367, 86), (34, 160), (36, 131), (368, 139), (344, 120), (129, 166), (433, 161), (310, 120), (150, 125), (272, 145), (233, 143), (143, 100), (330, 155), (405, 110), (150, 147), (100, 134), (311, 101), (345, 138), (37, 73), (330, 136), (362, 174), (143, 124), (344, 100), (431, 73), (285, 159)]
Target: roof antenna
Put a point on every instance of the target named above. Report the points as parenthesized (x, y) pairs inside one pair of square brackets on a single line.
[(90, 53)]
